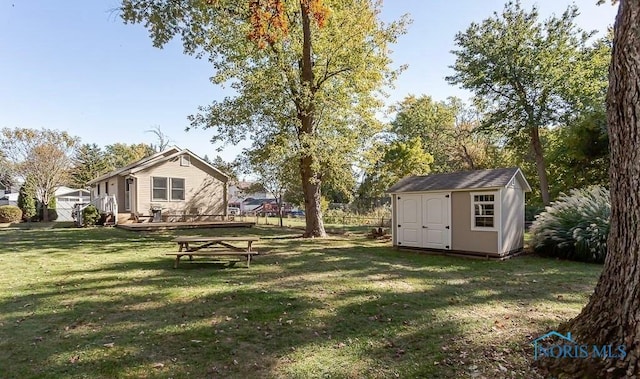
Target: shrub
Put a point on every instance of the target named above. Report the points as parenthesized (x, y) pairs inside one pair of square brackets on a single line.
[(27, 201), (90, 216), (10, 213), (574, 227)]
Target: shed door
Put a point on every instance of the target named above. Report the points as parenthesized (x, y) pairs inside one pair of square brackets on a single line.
[(409, 220), (436, 231)]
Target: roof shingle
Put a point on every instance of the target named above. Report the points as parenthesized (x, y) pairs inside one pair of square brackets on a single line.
[(478, 179)]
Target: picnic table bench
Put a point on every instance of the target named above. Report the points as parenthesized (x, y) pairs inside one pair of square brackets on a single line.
[(213, 246)]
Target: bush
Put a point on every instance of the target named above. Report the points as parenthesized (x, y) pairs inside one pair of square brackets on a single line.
[(27, 201), (90, 216), (574, 227), (10, 213)]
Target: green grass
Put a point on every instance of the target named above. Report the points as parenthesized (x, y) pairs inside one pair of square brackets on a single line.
[(106, 303)]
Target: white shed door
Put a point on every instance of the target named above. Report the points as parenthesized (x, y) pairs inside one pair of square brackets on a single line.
[(435, 221), (409, 220)]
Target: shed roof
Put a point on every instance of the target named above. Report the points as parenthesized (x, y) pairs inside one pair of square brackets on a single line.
[(478, 179)]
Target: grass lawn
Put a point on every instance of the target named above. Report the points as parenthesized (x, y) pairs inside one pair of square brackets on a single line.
[(106, 303)]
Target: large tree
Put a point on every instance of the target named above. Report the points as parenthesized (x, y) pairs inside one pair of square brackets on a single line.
[(526, 74), (612, 315), (41, 156), (89, 162), (310, 70), (390, 163)]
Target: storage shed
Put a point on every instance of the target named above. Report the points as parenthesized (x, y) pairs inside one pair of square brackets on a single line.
[(474, 212)]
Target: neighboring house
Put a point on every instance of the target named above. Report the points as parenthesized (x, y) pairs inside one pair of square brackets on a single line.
[(67, 198), (170, 183), (477, 212), (9, 198), (242, 193)]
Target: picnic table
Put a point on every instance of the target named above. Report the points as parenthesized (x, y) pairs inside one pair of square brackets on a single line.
[(213, 246)]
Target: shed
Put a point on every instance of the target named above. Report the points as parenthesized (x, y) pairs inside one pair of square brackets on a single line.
[(477, 212)]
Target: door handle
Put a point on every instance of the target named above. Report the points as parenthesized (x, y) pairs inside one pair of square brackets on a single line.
[(425, 227)]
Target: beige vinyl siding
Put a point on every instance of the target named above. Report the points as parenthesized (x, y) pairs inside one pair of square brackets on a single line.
[(512, 217), (462, 237), (204, 193), (119, 192)]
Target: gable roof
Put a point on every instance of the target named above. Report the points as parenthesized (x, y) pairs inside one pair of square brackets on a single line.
[(155, 159), (464, 180), (120, 170), (62, 190)]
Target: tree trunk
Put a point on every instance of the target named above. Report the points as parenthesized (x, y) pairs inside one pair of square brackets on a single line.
[(312, 196), (612, 315), (311, 180), (541, 166)]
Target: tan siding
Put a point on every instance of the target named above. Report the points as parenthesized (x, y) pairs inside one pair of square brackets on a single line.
[(203, 192), (120, 193), (512, 217), (462, 237)]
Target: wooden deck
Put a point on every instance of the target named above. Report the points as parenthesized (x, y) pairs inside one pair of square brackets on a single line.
[(148, 226)]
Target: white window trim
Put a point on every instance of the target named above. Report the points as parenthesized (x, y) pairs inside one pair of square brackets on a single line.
[(496, 212), (184, 189), (185, 160), (169, 189)]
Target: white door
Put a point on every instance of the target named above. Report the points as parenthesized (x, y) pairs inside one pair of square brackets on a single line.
[(436, 231), (409, 220)]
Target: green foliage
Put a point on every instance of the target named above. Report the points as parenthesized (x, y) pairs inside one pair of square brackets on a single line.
[(315, 86), (90, 216), (89, 162), (27, 200), (575, 226), (121, 154), (579, 153), (394, 162), (41, 156), (527, 75), (10, 213)]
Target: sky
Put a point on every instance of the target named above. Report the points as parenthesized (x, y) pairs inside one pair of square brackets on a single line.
[(72, 65)]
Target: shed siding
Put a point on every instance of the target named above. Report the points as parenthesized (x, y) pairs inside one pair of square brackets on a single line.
[(394, 220), (462, 237), (204, 194), (512, 217)]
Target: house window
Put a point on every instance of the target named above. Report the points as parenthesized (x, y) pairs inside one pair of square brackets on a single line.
[(98, 186), (177, 189), (168, 189), (484, 209), (185, 160), (106, 188), (160, 189)]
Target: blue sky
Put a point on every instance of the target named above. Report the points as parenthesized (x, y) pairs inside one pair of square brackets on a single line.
[(73, 65)]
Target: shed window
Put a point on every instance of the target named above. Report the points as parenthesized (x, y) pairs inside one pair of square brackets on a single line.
[(483, 211)]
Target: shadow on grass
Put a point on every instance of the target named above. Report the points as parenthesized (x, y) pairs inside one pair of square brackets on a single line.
[(309, 308)]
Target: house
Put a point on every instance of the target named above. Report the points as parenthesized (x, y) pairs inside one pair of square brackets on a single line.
[(165, 186), (476, 212), (67, 198), (9, 198), (242, 193)]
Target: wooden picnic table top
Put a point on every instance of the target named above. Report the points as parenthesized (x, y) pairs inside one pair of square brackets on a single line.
[(213, 239)]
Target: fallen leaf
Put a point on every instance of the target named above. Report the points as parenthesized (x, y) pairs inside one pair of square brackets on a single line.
[(74, 359), (158, 365), (110, 344)]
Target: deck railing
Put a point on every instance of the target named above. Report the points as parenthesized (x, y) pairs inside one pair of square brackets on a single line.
[(105, 204)]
